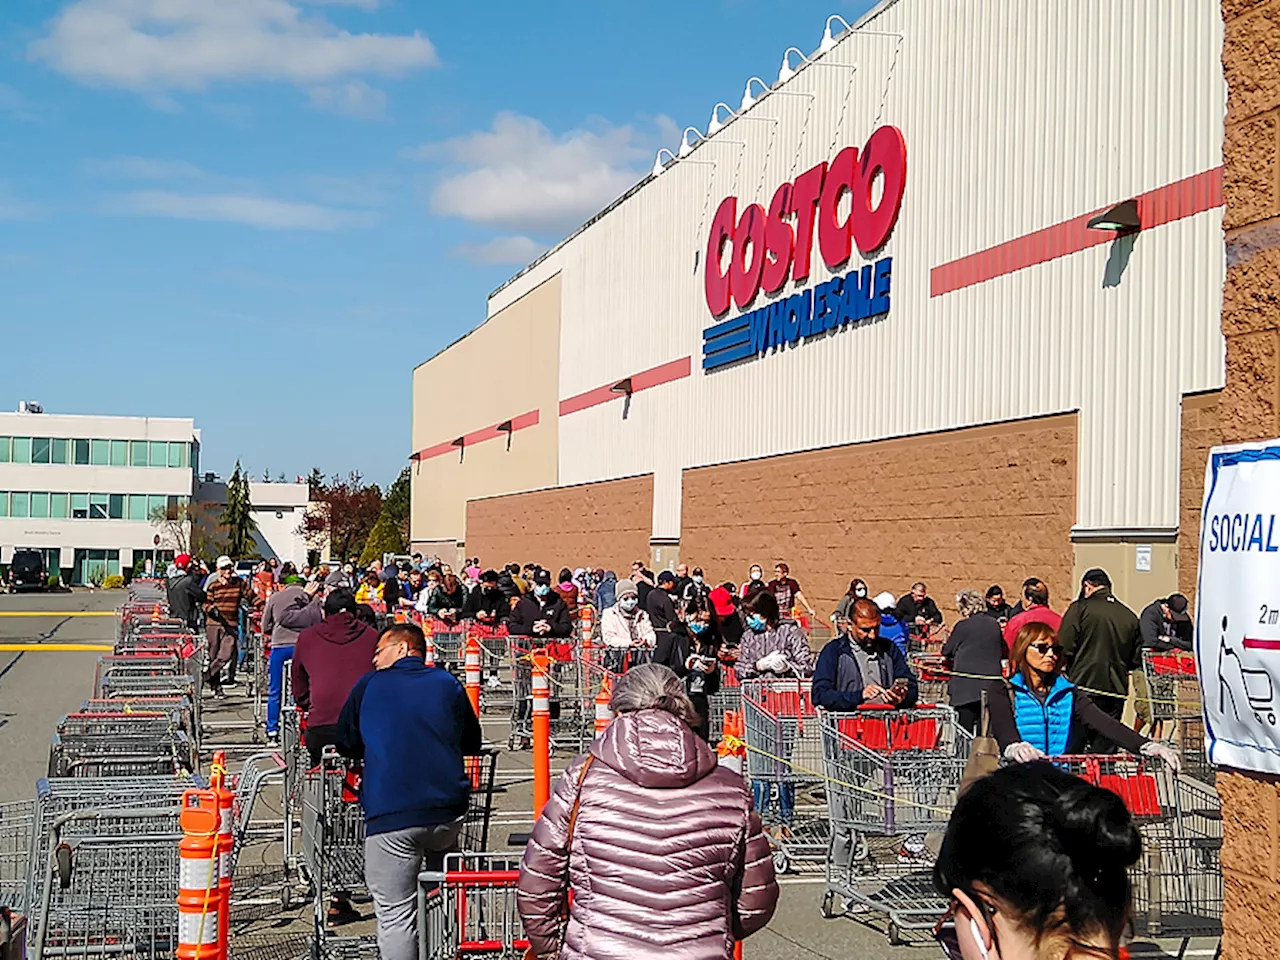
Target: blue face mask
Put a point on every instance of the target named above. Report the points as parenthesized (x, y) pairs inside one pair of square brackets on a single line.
[(697, 580), (697, 627), (542, 589), (756, 622)]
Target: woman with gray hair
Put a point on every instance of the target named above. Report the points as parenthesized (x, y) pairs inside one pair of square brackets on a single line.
[(658, 844), (975, 649)]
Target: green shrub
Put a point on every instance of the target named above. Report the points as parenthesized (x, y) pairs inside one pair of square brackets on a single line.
[(55, 581), (113, 582)]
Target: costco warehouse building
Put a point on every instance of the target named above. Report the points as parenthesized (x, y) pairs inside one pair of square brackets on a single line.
[(943, 303)]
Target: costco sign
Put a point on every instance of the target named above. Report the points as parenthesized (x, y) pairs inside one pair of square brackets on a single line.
[(765, 249)]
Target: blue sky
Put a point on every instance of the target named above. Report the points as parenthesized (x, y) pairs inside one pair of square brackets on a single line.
[(264, 213)]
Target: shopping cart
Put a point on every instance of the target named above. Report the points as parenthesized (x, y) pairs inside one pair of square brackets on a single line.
[(1173, 684), (928, 638), (495, 665), (1195, 761), (105, 885), (893, 777), (784, 756), (117, 755), (933, 673), (571, 701), (468, 909), (128, 687), (17, 820), (1177, 882)]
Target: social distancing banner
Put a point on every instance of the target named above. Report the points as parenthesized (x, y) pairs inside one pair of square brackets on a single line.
[(1238, 606)]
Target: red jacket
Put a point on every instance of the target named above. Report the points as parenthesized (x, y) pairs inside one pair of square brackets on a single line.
[(328, 659)]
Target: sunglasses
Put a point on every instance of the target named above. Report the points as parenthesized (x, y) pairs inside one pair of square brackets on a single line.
[(944, 931), (1044, 649)]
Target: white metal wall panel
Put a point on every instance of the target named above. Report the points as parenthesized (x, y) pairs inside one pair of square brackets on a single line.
[(1018, 115)]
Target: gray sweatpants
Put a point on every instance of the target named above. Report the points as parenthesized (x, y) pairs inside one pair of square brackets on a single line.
[(392, 862)]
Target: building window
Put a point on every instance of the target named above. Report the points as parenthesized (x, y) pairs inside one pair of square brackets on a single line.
[(81, 452), (21, 449), (156, 504), (5, 445), (60, 446), (159, 453), (80, 506), (98, 503), (40, 450), (58, 506), (137, 453), (119, 453), (115, 508), (4, 503), (39, 506), (176, 457), (100, 453), (18, 503), (138, 507)]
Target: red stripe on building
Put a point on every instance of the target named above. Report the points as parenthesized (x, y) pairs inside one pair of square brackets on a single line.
[(1185, 198), (653, 377), (529, 419)]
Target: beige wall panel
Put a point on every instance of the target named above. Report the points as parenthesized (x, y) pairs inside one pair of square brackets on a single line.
[(506, 367)]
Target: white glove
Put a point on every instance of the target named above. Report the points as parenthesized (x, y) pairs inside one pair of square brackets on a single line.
[(774, 662), (1153, 748), (1022, 752)]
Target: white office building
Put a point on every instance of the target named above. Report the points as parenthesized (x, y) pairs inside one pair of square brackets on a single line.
[(83, 489)]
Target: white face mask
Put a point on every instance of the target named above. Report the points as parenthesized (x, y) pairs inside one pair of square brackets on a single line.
[(756, 575), (860, 592)]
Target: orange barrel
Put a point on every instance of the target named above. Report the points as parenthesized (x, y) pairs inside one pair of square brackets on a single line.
[(199, 895), (541, 731), (429, 631), (604, 716), (226, 842)]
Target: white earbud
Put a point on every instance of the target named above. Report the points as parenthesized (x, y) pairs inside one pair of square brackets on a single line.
[(978, 939)]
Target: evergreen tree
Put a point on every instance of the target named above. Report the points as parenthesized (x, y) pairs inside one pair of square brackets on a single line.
[(383, 538), (237, 519), (397, 503)]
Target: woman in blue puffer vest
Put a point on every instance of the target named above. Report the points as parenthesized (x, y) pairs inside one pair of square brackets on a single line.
[(1045, 715)]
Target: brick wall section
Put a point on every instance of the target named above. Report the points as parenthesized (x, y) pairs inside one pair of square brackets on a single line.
[(1250, 410), (1201, 430), (602, 524), (965, 508)]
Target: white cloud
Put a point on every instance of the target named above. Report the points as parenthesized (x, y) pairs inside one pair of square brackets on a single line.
[(143, 168), (520, 176), (155, 45), (265, 213), (355, 99), (506, 250)]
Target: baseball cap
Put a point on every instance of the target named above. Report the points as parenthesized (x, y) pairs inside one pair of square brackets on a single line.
[(542, 577), (225, 561), (1177, 605), (1097, 576), (722, 601), (885, 600), (182, 561), (666, 576)]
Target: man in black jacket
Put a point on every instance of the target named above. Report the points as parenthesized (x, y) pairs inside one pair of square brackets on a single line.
[(185, 593), (486, 604), (541, 614), (917, 609)]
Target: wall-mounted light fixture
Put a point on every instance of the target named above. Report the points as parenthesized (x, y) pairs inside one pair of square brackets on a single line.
[(748, 101), (659, 167), (461, 444), (622, 387), (1122, 218), (507, 427), (715, 124), (828, 40)]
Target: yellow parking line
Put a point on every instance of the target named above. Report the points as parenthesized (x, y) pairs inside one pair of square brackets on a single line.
[(57, 613), (55, 647)]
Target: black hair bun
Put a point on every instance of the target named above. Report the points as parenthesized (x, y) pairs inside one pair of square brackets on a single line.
[(1095, 830)]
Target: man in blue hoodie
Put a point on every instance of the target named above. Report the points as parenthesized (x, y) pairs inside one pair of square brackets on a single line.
[(413, 726)]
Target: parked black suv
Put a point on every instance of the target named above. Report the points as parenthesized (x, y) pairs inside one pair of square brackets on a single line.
[(26, 571)]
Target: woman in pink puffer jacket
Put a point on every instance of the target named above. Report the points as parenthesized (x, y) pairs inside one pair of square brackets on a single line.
[(668, 859)]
